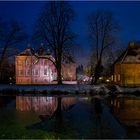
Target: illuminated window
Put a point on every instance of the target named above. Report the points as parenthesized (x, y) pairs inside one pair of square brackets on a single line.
[(21, 72), (111, 77)]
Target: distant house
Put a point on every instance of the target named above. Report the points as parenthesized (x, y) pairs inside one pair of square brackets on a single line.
[(38, 68), (127, 66)]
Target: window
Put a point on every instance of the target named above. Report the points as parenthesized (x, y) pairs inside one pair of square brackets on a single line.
[(41, 61), (119, 77), (19, 63), (28, 72), (21, 72), (45, 62), (36, 72), (45, 71)]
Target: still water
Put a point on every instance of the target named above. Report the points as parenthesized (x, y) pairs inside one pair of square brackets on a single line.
[(69, 117)]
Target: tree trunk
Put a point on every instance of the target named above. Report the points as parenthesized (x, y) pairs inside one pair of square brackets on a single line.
[(98, 71), (59, 76), (96, 75)]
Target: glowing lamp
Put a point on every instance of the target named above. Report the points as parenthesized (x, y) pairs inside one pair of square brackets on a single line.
[(107, 80), (100, 78)]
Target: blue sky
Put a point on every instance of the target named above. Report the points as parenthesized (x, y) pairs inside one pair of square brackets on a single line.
[(126, 12)]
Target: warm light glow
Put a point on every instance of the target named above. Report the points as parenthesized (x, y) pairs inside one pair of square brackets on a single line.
[(107, 80), (100, 78)]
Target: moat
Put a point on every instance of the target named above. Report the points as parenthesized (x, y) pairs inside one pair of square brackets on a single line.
[(69, 117)]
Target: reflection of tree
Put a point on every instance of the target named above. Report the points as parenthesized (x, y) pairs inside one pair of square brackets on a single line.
[(58, 116), (98, 109), (127, 111)]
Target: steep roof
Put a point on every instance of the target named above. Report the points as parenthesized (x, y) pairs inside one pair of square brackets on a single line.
[(131, 54), (40, 53), (27, 52)]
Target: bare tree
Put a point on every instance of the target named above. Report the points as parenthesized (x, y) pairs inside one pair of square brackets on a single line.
[(53, 28), (11, 34), (102, 31)]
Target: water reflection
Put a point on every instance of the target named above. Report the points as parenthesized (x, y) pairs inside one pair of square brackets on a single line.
[(51, 111), (6, 101), (97, 115), (43, 105), (68, 117), (127, 111)]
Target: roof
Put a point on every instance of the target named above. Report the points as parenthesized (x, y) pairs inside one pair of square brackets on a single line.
[(40, 53), (130, 55), (29, 51)]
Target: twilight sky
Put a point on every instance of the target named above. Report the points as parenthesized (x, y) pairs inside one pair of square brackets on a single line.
[(126, 12)]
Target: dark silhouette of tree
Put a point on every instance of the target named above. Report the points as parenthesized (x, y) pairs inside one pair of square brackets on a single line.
[(7, 72), (53, 28), (11, 34), (102, 31)]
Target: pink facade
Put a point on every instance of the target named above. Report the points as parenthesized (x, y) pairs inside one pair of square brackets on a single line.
[(43, 105), (30, 70), (39, 69)]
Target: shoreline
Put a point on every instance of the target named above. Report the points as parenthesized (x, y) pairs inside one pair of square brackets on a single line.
[(67, 89)]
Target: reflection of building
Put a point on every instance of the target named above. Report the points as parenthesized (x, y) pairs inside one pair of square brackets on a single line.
[(127, 66), (43, 105), (40, 105), (38, 68), (127, 110)]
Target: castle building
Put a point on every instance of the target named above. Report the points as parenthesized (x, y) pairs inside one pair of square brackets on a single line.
[(38, 68)]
